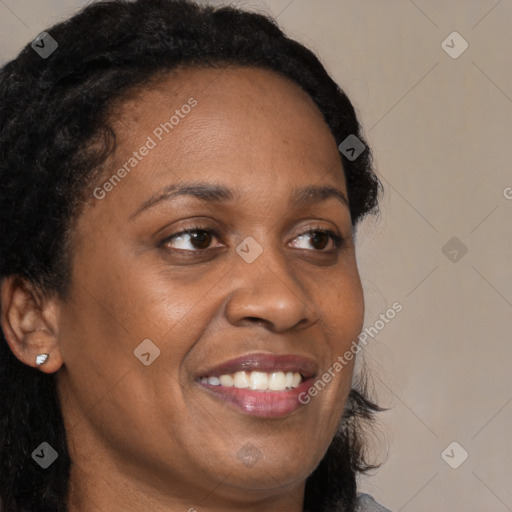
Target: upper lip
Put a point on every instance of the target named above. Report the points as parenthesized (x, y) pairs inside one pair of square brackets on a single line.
[(265, 362)]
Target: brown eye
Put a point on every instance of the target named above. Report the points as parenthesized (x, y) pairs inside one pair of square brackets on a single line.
[(200, 239), (193, 239), (319, 239)]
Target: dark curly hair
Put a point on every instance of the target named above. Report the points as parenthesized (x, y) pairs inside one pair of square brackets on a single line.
[(55, 136)]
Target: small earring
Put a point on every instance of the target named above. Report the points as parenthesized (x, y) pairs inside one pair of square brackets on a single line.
[(41, 359)]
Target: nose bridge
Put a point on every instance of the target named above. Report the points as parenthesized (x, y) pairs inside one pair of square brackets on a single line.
[(267, 288)]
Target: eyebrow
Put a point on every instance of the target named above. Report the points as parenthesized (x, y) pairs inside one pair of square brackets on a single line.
[(209, 192)]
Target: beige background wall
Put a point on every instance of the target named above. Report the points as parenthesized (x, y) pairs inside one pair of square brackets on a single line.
[(441, 132)]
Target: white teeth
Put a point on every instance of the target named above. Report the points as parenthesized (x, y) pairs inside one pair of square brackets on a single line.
[(226, 380), (258, 380), (240, 380), (274, 381), (277, 381)]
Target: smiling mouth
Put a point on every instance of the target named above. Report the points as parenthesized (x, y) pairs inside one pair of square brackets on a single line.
[(257, 381), (265, 385)]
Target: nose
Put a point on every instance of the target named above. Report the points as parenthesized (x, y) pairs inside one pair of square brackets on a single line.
[(268, 291)]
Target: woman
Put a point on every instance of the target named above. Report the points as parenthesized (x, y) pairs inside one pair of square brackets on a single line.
[(178, 268)]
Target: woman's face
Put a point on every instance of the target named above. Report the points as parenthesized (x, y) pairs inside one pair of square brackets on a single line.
[(252, 290)]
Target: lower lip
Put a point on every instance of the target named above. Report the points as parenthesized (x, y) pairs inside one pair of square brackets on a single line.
[(266, 404)]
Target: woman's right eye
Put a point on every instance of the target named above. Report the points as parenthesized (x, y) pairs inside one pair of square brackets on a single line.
[(194, 239)]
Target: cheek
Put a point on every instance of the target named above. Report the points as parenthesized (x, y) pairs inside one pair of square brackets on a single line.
[(342, 308), (343, 317)]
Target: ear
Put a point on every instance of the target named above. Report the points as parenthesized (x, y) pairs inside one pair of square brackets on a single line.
[(30, 323)]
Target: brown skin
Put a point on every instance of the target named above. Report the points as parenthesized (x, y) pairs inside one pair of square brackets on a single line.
[(150, 438)]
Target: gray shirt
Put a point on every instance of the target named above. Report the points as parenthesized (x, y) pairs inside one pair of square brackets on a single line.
[(365, 503)]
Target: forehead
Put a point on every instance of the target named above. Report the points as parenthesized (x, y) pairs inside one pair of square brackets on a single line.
[(226, 84), (239, 110), (249, 129)]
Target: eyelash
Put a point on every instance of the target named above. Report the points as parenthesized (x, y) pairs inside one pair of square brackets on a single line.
[(337, 239)]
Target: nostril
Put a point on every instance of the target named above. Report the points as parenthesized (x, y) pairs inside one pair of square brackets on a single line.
[(256, 320)]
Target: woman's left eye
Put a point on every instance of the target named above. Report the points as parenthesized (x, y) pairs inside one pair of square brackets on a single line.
[(199, 239), (319, 236)]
